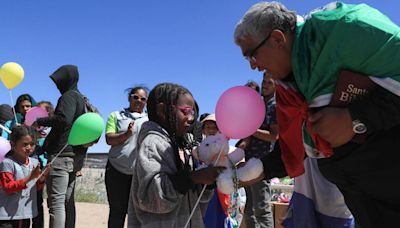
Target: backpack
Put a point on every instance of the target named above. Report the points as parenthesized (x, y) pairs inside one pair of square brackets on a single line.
[(88, 106)]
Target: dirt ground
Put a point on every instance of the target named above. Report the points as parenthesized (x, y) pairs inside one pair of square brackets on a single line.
[(87, 215), (90, 215)]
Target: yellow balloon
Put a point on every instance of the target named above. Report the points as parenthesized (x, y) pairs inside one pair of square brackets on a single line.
[(11, 74)]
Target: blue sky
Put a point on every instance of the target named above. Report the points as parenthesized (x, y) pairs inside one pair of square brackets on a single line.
[(119, 44)]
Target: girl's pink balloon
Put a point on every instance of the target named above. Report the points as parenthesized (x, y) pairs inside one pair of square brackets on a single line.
[(240, 112), (33, 114), (4, 148)]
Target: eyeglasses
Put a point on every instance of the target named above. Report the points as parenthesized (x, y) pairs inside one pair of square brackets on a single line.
[(186, 110), (250, 57), (136, 97)]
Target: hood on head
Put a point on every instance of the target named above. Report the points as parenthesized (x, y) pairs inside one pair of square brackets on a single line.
[(66, 78), (23, 97)]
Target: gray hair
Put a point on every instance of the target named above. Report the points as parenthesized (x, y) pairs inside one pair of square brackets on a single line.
[(262, 18)]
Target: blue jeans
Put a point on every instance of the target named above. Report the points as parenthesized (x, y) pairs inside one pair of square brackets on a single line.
[(257, 212), (60, 191)]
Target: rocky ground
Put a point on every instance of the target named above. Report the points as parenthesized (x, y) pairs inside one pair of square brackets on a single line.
[(90, 186)]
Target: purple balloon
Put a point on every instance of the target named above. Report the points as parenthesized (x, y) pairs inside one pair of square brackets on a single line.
[(240, 112), (33, 114), (4, 148)]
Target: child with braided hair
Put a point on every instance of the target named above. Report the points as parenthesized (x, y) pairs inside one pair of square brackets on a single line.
[(165, 184)]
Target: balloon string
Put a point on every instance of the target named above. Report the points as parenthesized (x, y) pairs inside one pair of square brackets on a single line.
[(13, 107), (5, 129), (195, 206), (51, 162), (58, 154), (201, 194)]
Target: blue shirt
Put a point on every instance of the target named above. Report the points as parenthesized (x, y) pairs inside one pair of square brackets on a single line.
[(257, 147)]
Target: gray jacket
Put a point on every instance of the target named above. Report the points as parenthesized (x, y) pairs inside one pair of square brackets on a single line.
[(154, 200)]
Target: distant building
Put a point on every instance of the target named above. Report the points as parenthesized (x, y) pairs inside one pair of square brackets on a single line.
[(96, 160)]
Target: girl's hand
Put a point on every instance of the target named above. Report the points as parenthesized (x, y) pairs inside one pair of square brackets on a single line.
[(45, 173), (34, 174), (206, 175)]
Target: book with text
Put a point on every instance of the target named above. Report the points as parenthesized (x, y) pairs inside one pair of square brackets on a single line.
[(351, 86)]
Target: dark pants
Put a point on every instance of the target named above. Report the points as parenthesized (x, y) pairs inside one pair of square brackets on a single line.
[(367, 176), (38, 221), (258, 212), (118, 187), (24, 223)]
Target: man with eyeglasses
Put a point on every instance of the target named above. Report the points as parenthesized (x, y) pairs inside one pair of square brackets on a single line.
[(307, 57)]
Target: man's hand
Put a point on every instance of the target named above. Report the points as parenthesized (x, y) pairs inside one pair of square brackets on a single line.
[(333, 124), (244, 143), (87, 145)]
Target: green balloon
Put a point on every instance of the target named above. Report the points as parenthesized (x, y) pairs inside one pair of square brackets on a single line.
[(87, 128)]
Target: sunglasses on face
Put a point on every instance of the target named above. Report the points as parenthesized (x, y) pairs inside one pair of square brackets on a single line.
[(136, 98), (186, 110)]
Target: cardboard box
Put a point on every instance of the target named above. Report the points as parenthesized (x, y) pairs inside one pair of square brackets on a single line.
[(279, 212)]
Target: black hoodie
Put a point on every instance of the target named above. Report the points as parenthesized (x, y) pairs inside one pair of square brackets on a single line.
[(69, 107)]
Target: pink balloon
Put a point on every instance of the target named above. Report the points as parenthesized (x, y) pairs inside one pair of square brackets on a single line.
[(240, 112), (33, 114), (4, 148)]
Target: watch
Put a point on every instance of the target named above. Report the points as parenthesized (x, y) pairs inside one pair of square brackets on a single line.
[(359, 127)]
